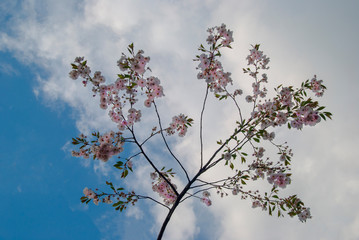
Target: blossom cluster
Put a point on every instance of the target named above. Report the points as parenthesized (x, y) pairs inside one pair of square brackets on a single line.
[(259, 61), (180, 124), (268, 136), (124, 89), (81, 153), (122, 198), (154, 89), (304, 214), (161, 186), (279, 179), (80, 69), (205, 199), (257, 58), (103, 148), (293, 203), (212, 72), (317, 86), (90, 194), (222, 33), (211, 69), (307, 116), (276, 172), (288, 107), (136, 64)]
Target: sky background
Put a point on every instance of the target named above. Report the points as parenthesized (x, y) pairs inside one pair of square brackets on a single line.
[(41, 109)]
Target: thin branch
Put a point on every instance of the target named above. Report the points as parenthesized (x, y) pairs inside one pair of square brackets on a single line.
[(134, 155), (207, 183), (146, 197), (152, 134), (164, 139), (235, 102), (201, 125), (193, 194), (152, 164)]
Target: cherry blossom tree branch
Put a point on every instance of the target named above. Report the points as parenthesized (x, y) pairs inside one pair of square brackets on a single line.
[(152, 199), (164, 140), (152, 164), (201, 125), (270, 113), (235, 102)]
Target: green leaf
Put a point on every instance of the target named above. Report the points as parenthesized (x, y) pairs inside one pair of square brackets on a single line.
[(124, 173), (110, 184), (328, 114), (322, 115), (117, 204), (131, 47), (245, 177), (119, 163)]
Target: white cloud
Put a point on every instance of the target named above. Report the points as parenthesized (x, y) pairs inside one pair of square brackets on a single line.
[(300, 39)]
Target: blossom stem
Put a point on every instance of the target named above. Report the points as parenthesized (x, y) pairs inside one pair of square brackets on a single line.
[(201, 125)]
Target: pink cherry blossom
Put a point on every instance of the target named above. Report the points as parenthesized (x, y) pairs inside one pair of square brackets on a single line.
[(206, 201)]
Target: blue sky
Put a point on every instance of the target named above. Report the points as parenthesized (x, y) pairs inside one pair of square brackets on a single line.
[(40, 178), (41, 109)]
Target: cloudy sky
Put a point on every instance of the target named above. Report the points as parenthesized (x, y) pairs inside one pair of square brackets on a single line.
[(42, 109)]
